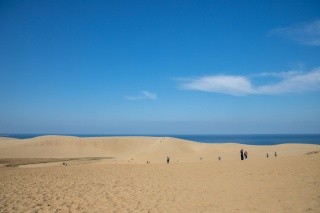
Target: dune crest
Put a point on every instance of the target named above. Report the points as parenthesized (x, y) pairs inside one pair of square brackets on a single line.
[(138, 149)]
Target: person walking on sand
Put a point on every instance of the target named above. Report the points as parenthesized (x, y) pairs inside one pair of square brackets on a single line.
[(241, 154), (275, 154), (168, 160), (267, 155), (245, 154), (219, 158)]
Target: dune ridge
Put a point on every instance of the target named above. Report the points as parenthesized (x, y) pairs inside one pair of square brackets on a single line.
[(138, 149)]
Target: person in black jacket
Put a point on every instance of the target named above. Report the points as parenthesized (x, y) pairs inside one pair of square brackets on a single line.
[(241, 154)]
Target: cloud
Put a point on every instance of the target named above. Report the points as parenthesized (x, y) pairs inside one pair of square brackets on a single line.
[(308, 33), (234, 85), (286, 82), (281, 74), (143, 96), (300, 82)]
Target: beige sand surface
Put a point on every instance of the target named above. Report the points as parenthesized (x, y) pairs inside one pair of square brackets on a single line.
[(288, 183), (138, 149)]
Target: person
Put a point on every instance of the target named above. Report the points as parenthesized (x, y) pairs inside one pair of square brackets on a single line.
[(241, 154), (168, 159), (245, 154), (267, 155), (219, 158), (275, 154)]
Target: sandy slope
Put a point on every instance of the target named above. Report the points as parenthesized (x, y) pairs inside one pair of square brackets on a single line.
[(138, 149), (288, 183), (284, 184)]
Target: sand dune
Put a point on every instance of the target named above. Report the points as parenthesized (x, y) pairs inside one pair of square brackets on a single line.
[(194, 181), (138, 149)]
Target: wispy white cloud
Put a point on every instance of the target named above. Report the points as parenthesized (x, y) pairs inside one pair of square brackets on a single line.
[(287, 82), (280, 74), (234, 85), (293, 83), (143, 95), (308, 33)]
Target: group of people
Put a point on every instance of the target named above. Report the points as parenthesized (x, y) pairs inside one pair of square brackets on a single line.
[(243, 154), (275, 154)]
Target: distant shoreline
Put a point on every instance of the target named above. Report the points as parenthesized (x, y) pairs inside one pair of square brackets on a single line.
[(248, 139)]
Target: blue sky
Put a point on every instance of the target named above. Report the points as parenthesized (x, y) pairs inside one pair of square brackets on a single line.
[(159, 67)]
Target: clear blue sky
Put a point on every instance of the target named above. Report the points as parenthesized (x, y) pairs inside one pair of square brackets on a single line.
[(159, 67)]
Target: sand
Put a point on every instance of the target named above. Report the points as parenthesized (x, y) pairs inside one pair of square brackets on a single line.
[(111, 175)]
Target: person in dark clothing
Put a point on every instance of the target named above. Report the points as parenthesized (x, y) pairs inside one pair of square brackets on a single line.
[(168, 159), (245, 154), (267, 155), (241, 154), (275, 154)]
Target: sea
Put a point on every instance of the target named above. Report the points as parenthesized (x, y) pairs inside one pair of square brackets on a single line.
[(250, 139)]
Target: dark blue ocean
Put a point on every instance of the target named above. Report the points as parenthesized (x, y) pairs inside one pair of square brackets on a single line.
[(251, 139)]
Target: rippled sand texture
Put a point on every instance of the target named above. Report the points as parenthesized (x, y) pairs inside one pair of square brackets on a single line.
[(111, 175), (283, 184)]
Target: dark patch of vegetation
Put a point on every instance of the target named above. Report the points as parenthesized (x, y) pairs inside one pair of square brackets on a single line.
[(312, 153)]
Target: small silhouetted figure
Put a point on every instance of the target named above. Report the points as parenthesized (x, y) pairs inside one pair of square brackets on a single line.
[(219, 158), (267, 155), (168, 160), (245, 154), (275, 154), (241, 154)]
